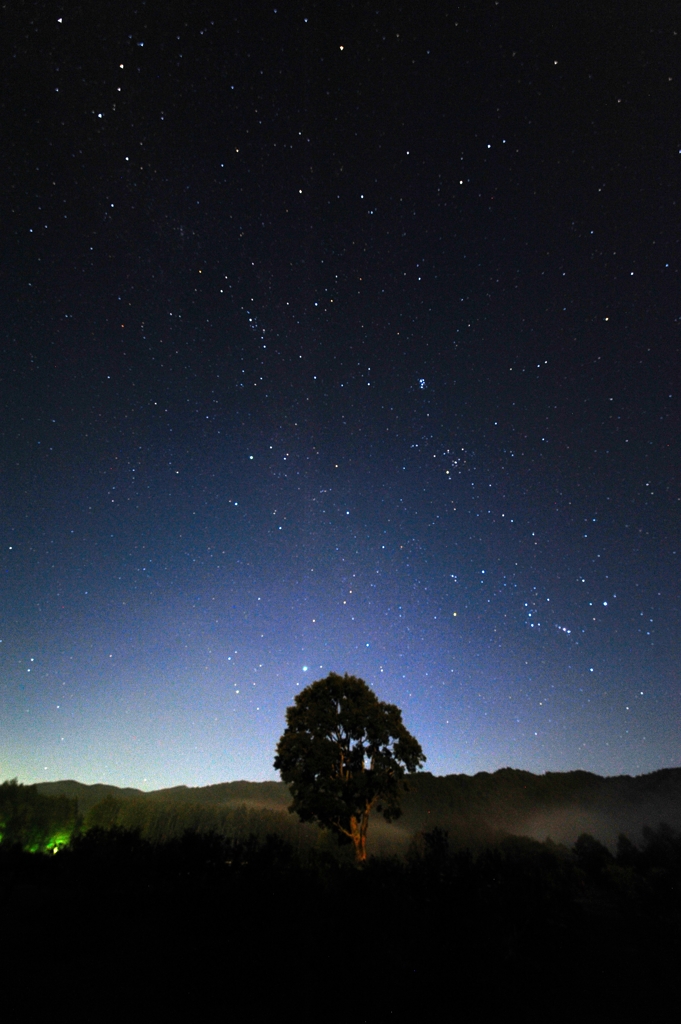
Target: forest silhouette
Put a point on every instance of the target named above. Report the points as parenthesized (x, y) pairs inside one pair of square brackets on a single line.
[(475, 810), (204, 887)]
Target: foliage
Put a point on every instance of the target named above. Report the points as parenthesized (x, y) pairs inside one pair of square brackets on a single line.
[(160, 821), (475, 810), (33, 821), (343, 753)]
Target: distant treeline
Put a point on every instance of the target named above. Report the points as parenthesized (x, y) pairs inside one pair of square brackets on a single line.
[(160, 821), (559, 805), (519, 792), (39, 823), (274, 795), (475, 810), (146, 843)]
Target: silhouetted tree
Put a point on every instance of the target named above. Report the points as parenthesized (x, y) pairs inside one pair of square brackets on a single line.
[(34, 821), (628, 855), (593, 857), (343, 753)]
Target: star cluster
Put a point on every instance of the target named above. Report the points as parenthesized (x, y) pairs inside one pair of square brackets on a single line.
[(338, 339)]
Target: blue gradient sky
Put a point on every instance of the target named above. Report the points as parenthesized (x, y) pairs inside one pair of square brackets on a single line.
[(348, 351)]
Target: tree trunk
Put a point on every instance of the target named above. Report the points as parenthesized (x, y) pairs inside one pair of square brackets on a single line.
[(358, 834)]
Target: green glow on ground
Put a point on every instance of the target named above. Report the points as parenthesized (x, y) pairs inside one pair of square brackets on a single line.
[(58, 841), (55, 843)]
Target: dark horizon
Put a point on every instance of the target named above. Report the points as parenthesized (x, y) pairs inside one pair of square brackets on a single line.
[(422, 771), (471, 810)]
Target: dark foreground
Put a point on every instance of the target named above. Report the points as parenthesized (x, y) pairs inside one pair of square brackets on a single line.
[(205, 927)]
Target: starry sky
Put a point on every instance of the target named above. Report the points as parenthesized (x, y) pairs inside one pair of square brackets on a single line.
[(338, 337)]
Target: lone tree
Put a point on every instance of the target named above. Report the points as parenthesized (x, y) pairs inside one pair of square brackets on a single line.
[(343, 753)]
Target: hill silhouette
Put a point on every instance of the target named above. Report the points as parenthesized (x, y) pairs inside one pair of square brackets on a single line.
[(268, 795), (474, 810)]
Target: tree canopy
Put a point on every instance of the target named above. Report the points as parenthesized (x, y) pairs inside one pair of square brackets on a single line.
[(343, 753)]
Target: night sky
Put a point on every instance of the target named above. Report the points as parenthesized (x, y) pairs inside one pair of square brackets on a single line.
[(338, 337)]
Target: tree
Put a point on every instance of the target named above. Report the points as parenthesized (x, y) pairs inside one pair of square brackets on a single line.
[(343, 753)]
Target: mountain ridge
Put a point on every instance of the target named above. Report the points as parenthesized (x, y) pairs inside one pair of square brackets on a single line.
[(559, 805)]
